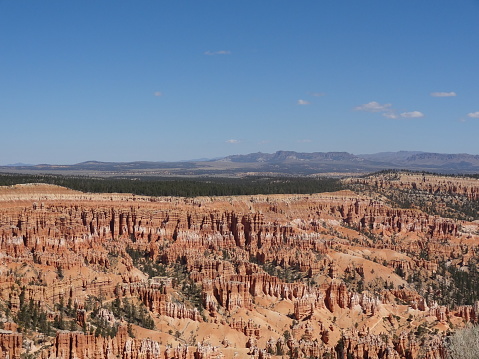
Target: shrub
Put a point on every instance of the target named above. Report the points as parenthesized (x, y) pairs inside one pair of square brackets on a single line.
[(464, 344)]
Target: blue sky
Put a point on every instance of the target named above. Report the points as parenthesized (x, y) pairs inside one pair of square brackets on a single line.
[(174, 80)]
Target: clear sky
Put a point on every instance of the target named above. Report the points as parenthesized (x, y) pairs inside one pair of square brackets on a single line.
[(115, 80)]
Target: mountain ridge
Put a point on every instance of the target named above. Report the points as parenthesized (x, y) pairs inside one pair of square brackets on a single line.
[(277, 163)]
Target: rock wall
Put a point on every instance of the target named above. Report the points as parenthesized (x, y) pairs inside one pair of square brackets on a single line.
[(10, 344)]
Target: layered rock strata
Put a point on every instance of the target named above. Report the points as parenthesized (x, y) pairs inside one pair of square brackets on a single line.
[(329, 268)]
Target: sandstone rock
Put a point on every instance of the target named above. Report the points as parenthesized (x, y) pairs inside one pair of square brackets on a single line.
[(10, 344), (75, 246)]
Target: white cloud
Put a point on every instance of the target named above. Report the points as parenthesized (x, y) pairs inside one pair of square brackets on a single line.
[(374, 106), (443, 94), (303, 102), (412, 114), (318, 94), (473, 114), (220, 52), (391, 114), (387, 111), (158, 94), (232, 141)]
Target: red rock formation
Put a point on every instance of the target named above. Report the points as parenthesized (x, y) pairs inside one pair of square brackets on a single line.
[(10, 344), (75, 246), (249, 328), (467, 187), (337, 296), (157, 301), (470, 313)]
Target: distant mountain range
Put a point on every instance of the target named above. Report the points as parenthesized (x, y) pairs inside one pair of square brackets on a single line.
[(291, 156), (441, 162), (18, 164), (278, 163)]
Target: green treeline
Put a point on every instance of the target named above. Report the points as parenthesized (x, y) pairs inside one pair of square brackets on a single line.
[(31, 316), (190, 291), (451, 284), (133, 313), (156, 186)]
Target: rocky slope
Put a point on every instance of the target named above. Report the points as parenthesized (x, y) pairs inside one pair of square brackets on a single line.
[(335, 275), (448, 196)]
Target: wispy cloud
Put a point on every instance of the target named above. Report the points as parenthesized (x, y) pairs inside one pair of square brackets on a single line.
[(443, 94), (158, 93), (473, 114), (220, 52), (318, 94), (303, 102), (374, 106), (392, 115), (387, 111), (412, 114), (232, 141)]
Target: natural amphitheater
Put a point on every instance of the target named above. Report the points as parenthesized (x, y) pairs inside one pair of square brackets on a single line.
[(385, 267), (239, 179)]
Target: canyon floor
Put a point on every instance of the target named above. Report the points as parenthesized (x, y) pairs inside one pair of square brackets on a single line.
[(387, 268)]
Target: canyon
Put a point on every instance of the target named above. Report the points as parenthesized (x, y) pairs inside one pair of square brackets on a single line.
[(344, 274)]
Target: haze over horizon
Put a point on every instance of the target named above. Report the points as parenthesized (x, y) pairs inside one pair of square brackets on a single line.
[(387, 157), (123, 81)]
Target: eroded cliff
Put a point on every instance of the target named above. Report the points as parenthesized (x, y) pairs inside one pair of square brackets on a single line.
[(125, 276)]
